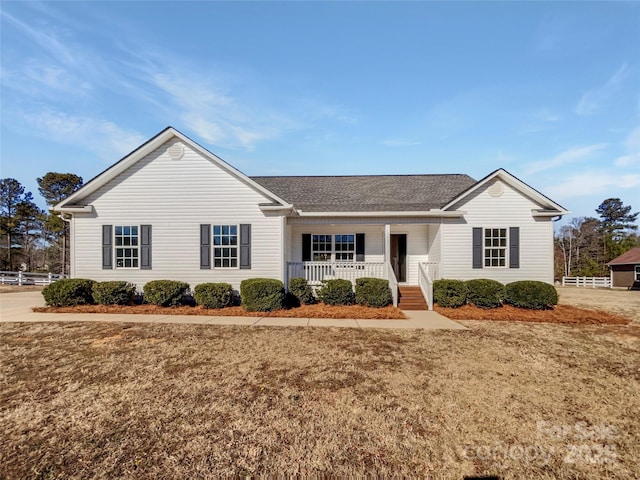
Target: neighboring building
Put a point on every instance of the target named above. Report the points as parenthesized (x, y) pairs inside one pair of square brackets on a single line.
[(625, 269), (173, 210)]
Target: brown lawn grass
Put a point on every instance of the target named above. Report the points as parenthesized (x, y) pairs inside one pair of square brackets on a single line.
[(97, 400)]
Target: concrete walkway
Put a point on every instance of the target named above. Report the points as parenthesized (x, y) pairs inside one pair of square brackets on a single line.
[(16, 307)]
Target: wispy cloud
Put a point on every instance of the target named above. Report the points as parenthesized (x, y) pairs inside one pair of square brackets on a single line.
[(632, 147), (594, 99), (46, 40), (590, 182), (224, 109), (102, 137), (400, 142), (571, 155), (540, 120)]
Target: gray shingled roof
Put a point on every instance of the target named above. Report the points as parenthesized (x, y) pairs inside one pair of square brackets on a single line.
[(367, 193)]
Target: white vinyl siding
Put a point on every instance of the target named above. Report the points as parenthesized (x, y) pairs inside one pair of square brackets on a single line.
[(175, 197), (511, 209)]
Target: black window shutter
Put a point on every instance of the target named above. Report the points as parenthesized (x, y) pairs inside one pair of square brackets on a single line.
[(107, 247), (245, 246), (306, 247), (359, 247), (514, 247), (145, 247), (477, 247), (205, 247)]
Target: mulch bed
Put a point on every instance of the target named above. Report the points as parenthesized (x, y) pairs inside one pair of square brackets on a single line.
[(559, 314), (319, 310), (506, 313)]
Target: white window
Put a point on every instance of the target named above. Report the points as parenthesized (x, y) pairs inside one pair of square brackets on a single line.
[(637, 273), (339, 248), (495, 247), (225, 246), (345, 247), (126, 245), (321, 247)]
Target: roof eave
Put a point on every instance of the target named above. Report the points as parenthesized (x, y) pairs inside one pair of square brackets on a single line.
[(423, 213), (72, 209), (287, 208), (549, 213)]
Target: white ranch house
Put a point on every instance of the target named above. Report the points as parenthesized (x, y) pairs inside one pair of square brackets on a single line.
[(173, 210)]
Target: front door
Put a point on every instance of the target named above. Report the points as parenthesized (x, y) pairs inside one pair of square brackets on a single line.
[(399, 256)]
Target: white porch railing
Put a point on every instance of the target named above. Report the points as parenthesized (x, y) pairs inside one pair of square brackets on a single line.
[(427, 273), (316, 272), (28, 278), (393, 282), (593, 282)]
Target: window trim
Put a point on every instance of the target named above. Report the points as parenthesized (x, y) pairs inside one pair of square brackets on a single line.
[(333, 253), (486, 248), (636, 273), (123, 247), (221, 246)]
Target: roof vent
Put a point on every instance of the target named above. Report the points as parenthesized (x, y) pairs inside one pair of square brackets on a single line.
[(176, 151), (496, 190)]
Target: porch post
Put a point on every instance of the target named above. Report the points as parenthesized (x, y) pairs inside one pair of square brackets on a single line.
[(387, 243), (284, 252)]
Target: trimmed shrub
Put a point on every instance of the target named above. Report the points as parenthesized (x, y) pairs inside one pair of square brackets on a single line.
[(337, 292), (68, 292), (262, 294), (113, 293), (485, 293), (373, 292), (213, 295), (449, 293), (301, 290), (165, 293), (531, 294)]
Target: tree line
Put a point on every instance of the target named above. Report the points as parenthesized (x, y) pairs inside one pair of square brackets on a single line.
[(585, 245), (32, 239)]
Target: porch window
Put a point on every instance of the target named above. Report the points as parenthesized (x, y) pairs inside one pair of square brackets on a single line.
[(345, 248), (339, 248), (126, 243), (225, 246), (321, 247), (495, 247)]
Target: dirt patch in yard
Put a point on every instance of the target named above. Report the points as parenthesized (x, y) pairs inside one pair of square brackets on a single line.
[(305, 311), (559, 314), (621, 302), (513, 400)]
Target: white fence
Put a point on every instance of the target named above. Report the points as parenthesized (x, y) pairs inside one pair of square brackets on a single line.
[(593, 282), (28, 278)]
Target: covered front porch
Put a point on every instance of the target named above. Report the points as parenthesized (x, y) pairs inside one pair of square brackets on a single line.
[(403, 253)]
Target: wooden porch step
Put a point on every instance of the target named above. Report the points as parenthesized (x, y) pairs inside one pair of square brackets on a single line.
[(411, 298)]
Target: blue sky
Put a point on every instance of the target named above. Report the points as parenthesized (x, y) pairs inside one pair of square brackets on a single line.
[(547, 90)]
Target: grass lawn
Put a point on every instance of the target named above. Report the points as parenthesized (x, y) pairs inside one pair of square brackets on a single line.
[(518, 400)]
